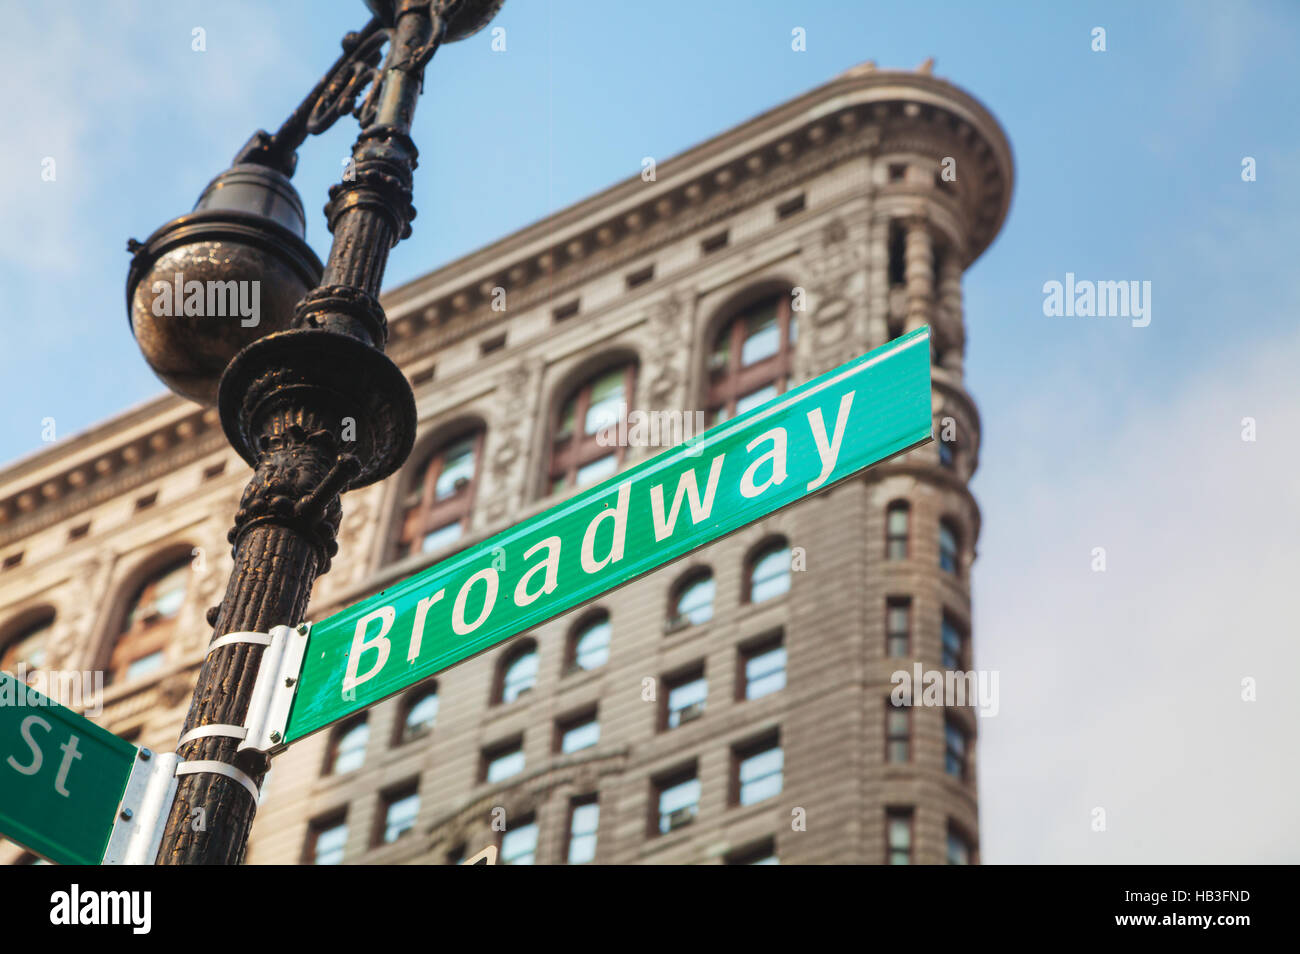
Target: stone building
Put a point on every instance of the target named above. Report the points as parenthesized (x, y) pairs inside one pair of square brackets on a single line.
[(732, 707)]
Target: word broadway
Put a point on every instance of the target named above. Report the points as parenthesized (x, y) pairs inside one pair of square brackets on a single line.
[(732, 475)]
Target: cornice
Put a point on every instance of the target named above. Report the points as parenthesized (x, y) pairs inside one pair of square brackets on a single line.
[(861, 112)]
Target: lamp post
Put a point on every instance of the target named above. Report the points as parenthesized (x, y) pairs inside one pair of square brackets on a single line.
[(305, 393)]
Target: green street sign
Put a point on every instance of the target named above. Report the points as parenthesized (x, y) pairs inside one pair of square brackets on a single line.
[(738, 472), (61, 776)]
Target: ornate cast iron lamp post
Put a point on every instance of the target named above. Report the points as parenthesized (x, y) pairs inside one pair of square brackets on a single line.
[(306, 394)]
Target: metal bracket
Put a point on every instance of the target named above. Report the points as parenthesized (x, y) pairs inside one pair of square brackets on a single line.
[(274, 689), (142, 815)]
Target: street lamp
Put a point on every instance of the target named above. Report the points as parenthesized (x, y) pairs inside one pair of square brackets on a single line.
[(305, 393)]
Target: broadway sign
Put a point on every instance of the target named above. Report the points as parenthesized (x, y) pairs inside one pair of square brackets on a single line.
[(796, 445)]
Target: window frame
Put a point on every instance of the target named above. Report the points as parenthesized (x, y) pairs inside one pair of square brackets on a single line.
[(753, 649), (905, 507), (569, 453), (575, 803), (692, 578), (580, 630), (895, 813), (388, 799), (892, 736), (336, 739), (757, 555), (660, 785), (143, 638), (319, 826), (695, 672), (903, 603), (413, 698), (949, 525), (508, 659), (743, 752), (423, 512), (727, 384)]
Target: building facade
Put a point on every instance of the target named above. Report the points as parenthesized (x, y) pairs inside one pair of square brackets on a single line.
[(730, 708)]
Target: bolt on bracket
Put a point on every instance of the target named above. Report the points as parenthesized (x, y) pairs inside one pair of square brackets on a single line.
[(142, 815), (274, 689)]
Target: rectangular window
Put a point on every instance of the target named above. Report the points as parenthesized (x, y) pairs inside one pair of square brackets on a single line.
[(400, 809), (641, 276), (519, 844), (145, 665), (584, 818), (763, 853), (566, 311), (759, 771), (898, 733), (685, 698), (503, 761), (790, 207), (898, 836), (489, 345), (441, 537), (713, 243), (959, 848), (763, 670), (325, 840), (677, 801), (954, 644), (578, 733), (955, 750), (898, 627)]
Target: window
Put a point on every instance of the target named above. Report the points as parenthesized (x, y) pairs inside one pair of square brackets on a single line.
[(519, 843), (349, 749), (897, 520), (517, 673), (898, 836), (954, 644), (400, 810), (751, 358), (147, 501), (685, 698), (790, 207), (503, 761), (13, 559), (565, 311), (641, 276), (421, 714), (759, 769), (589, 643), (898, 627), (438, 507), (578, 732), (677, 801), (762, 669), (946, 453), (713, 243), (150, 621), (762, 853), (955, 748), (216, 470), (325, 841), (898, 733), (79, 531), (959, 847), (28, 648), (693, 604), (948, 560), (489, 345), (897, 254), (769, 574), (584, 817), (897, 171), (578, 456)]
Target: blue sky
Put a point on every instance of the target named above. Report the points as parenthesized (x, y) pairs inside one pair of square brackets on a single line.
[(1119, 689)]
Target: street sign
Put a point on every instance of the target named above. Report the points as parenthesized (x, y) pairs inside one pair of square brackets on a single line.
[(797, 444), (61, 776)]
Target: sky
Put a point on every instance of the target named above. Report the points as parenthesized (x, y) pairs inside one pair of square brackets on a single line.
[(1120, 689)]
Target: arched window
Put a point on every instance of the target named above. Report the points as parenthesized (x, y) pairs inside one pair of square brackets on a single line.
[(27, 647), (769, 574), (517, 673), (438, 507), (589, 643), (578, 454), (150, 620), (420, 713), (897, 520), (751, 358), (348, 749), (693, 600), (949, 561)]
